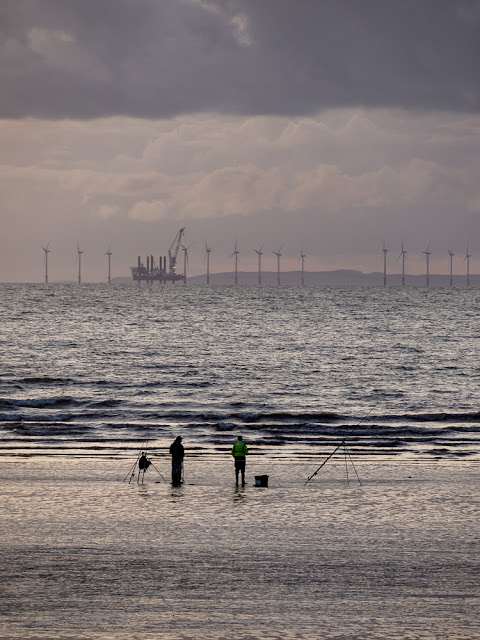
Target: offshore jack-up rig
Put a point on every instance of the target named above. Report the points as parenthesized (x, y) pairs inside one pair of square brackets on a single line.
[(153, 272)]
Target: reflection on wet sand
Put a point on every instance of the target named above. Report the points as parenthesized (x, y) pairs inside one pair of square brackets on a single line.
[(177, 494), (239, 497)]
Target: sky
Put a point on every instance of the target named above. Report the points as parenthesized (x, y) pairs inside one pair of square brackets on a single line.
[(323, 126)]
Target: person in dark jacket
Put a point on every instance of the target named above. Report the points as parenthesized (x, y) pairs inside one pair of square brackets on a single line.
[(178, 453)]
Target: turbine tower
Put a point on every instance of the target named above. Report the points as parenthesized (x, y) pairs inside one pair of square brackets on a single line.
[(79, 257), (302, 258), (385, 251), (428, 253), (185, 261), (451, 254), (109, 254), (47, 251), (403, 253), (235, 253), (207, 255), (259, 252), (467, 258), (278, 254)]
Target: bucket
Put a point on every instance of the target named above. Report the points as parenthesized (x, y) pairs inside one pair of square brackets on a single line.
[(261, 481)]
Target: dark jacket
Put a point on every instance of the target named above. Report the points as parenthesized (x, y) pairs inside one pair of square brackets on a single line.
[(177, 450)]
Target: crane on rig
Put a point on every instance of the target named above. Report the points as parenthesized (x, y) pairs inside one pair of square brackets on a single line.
[(159, 273), (172, 257)]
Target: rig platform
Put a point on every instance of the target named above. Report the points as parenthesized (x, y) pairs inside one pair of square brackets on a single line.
[(158, 272)]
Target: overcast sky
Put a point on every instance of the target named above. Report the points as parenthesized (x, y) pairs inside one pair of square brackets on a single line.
[(324, 125)]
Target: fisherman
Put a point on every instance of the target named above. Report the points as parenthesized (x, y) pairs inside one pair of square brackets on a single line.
[(178, 453), (239, 451)]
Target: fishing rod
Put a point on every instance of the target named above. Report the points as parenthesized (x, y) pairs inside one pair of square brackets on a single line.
[(145, 461), (342, 444), (324, 462), (142, 453), (131, 473)]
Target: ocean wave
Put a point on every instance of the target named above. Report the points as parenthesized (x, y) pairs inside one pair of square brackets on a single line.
[(437, 417), (11, 418), (66, 419), (46, 430), (45, 380), (38, 403), (105, 404), (96, 410)]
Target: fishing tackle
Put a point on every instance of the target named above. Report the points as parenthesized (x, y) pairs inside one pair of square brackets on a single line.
[(346, 452), (142, 462)]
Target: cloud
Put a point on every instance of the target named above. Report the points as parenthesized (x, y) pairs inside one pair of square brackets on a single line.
[(106, 211), (336, 184), (149, 211), (150, 59), (207, 167), (474, 204), (239, 190)]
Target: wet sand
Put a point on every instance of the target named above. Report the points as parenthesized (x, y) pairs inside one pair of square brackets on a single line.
[(88, 556)]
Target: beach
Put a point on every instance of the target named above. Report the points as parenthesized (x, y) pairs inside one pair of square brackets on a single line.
[(86, 555)]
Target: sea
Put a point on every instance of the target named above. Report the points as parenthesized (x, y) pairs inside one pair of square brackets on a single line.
[(360, 404)]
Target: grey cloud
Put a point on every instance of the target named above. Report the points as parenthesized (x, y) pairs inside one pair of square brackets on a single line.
[(145, 58)]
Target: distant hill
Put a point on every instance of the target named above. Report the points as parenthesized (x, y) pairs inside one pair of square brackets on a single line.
[(339, 277), (336, 278)]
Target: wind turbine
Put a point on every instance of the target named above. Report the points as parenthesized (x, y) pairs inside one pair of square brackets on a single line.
[(207, 255), (185, 261), (302, 258), (278, 254), (385, 251), (47, 251), (235, 253), (451, 254), (403, 253), (428, 253), (467, 258), (79, 258), (259, 252), (109, 254)]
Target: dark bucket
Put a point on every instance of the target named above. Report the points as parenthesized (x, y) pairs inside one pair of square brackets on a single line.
[(261, 481)]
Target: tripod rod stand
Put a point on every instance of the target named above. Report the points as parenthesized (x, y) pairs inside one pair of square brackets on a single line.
[(346, 453), (145, 463)]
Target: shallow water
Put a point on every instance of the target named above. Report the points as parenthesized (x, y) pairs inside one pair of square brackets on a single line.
[(86, 555)]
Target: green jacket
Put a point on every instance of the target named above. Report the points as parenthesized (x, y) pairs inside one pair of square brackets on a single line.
[(239, 449)]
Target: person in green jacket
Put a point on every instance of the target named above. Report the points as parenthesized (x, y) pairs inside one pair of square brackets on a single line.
[(239, 451)]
